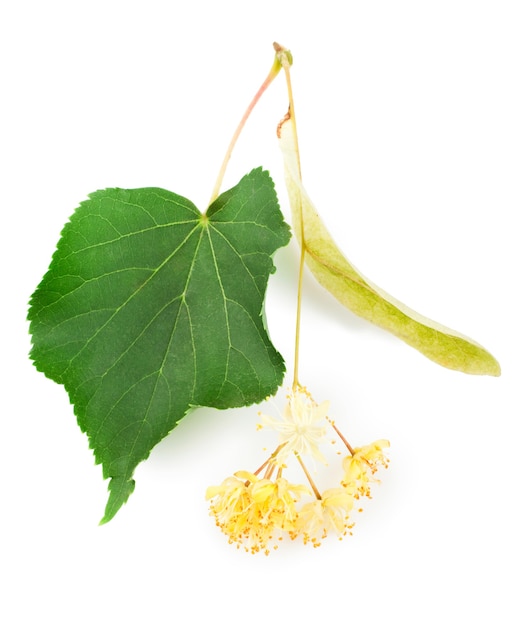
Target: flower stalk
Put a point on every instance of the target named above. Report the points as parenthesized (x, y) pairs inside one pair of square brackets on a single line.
[(252, 511), (285, 60)]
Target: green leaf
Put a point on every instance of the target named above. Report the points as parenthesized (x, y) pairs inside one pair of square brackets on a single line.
[(150, 308), (334, 272)]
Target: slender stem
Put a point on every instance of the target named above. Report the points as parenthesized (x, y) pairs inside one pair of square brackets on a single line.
[(308, 476), (292, 118), (296, 382), (262, 466), (271, 75), (269, 471), (270, 459), (349, 447)]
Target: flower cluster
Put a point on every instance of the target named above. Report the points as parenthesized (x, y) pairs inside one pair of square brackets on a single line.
[(256, 512), (250, 510)]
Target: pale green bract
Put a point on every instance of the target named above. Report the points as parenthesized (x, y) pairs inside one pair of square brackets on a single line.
[(334, 272)]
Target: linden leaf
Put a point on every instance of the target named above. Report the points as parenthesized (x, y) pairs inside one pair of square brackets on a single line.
[(334, 272), (150, 308)]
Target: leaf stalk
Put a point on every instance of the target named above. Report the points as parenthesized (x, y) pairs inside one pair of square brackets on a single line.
[(274, 71)]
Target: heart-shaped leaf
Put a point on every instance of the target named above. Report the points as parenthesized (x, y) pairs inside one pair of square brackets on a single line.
[(150, 308)]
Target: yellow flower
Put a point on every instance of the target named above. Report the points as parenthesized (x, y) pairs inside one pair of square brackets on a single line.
[(251, 511), (362, 465), (330, 513), (276, 502), (299, 429), (231, 502)]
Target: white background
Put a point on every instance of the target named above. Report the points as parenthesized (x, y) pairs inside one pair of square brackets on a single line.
[(404, 114)]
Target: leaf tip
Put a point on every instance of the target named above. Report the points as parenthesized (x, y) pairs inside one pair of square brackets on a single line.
[(120, 490)]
